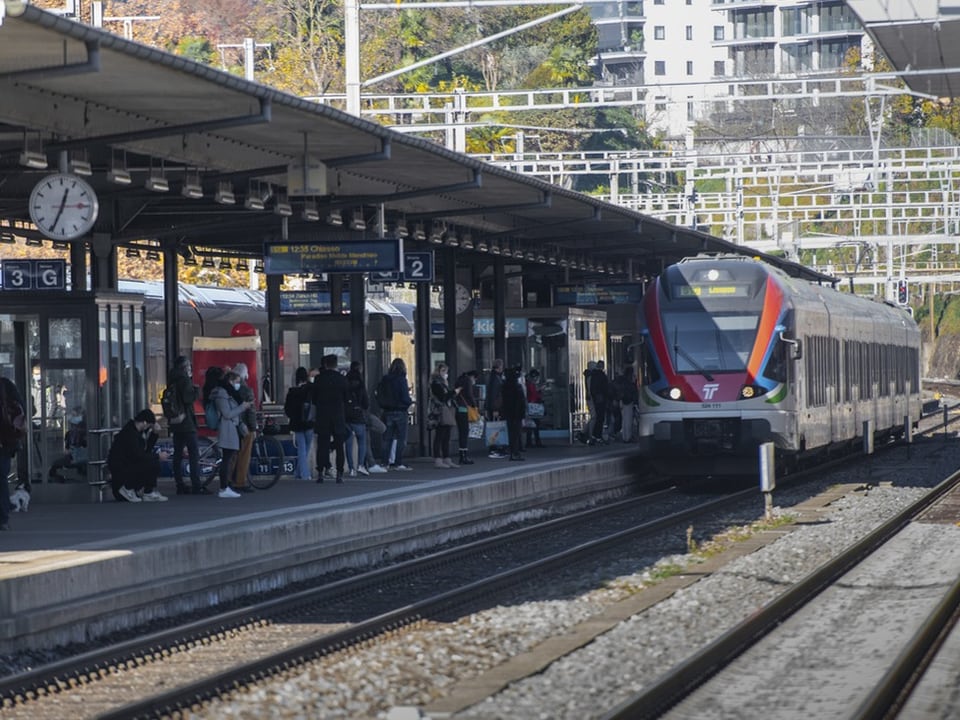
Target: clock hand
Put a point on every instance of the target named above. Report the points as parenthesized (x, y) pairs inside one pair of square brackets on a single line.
[(63, 204)]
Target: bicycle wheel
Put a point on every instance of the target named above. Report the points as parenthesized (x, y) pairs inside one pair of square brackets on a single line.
[(266, 462), (209, 462)]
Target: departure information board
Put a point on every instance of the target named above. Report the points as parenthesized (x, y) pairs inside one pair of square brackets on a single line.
[(349, 256)]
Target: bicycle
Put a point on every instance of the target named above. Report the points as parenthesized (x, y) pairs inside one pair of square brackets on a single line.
[(267, 460)]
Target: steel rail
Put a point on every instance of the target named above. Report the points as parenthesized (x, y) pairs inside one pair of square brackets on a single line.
[(687, 676), (187, 696)]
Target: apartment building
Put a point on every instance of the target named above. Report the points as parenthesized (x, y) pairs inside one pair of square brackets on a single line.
[(688, 52)]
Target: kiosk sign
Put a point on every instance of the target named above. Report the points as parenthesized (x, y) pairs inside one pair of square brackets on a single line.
[(331, 256)]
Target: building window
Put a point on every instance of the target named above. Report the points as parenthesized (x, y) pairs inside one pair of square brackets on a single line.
[(689, 32), (718, 32), (689, 67), (659, 32), (660, 67), (719, 68), (658, 2), (660, 103), (690, 113)]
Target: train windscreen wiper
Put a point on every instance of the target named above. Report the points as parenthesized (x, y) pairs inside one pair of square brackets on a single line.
[(689, 358)]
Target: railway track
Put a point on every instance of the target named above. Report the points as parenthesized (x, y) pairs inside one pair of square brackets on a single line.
[(701, 681), (182, 667)]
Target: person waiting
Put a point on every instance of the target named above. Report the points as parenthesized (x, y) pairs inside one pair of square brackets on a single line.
[(299, 408), (133, 464), (225, 397)]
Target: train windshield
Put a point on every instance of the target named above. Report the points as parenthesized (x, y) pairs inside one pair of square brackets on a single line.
[(701, 342)]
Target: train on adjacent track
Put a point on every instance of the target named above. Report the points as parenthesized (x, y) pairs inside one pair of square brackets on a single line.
[(735, 353)]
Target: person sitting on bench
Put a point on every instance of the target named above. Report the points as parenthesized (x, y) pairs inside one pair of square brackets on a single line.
[(75, 443)]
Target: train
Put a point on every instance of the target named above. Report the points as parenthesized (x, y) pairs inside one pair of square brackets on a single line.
[(734, 353)]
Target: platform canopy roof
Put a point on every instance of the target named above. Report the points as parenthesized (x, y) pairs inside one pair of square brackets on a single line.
[(69, 90), (920, 38)]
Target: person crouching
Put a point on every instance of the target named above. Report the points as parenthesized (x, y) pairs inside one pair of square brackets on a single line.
[(134, 466)]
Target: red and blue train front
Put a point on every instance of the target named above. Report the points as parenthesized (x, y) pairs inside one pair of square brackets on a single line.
[(713, 368)]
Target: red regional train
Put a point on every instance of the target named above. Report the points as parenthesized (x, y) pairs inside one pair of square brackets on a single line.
[(735, 353)]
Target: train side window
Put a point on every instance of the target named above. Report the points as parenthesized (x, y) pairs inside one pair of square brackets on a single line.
[(649, 373), (777, 367)]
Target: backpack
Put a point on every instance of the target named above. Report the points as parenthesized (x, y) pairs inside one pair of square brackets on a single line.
[(172, 407), (13, 419), (354, 407), (211, 415), (386, 394)]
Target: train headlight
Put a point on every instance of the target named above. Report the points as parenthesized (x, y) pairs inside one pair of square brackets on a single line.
[(751, 391), (671, 393)]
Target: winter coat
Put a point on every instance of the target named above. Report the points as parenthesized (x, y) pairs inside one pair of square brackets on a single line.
[(330, 397), (230, 411), (293, 406), (188, 394), (358, 400), (514, 397), (131, 456)]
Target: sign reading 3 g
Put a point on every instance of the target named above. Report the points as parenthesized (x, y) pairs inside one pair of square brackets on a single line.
[(34, 274)]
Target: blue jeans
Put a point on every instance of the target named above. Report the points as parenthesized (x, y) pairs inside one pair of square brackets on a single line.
[(359, 431), (396, 422), (303, 438)]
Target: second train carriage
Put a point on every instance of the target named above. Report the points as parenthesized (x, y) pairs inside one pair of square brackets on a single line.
[(736, 353)]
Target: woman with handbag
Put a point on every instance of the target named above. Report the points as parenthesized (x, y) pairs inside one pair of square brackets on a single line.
[(468, 411), (442, 416)]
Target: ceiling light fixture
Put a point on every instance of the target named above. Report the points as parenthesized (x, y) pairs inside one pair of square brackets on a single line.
[(157, 181), (31, 157), (8, 238), (253, 201), (310, 212), (132, 253), (80, 165), (401, 230), (436, 235), (208, 263), (224, 194), (467, 242), (258, 266), (357, 222), (60, 245), (190, 261), (494, 249), (153, 254), (242, 264), (118, 173), (282, 206), (191, 185), (451, 239), (418, 233), (482, 246), (334, 218), (225, 264)]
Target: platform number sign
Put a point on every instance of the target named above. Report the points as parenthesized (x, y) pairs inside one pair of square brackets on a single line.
[(34, 274), (418, 267)]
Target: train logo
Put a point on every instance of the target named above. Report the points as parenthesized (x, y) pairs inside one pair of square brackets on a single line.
[(709, 390)]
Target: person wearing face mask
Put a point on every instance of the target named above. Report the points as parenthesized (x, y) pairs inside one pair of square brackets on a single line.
[(248, 429), (226, 398), (443, 415), (75, 443)]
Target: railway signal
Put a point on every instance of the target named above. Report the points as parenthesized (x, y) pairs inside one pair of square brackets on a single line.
[(903, 292)]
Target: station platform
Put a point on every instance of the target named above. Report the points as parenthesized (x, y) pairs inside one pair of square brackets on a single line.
[(70, 572)]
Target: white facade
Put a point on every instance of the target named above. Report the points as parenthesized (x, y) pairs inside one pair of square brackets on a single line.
[(690, 48)]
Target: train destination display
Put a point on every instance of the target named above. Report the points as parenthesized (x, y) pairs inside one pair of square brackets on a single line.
[(348, 256)]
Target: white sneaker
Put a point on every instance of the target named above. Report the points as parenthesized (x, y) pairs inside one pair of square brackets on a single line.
[(399, 467), (153, 496), (129, 495), (352, 473), (228, 493), (362, 470), (377, 469)]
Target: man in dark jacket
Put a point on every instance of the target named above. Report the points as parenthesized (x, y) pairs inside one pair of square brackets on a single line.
[(7, 390), (134, 466), (184, 432), (514, 409), (330, 397)]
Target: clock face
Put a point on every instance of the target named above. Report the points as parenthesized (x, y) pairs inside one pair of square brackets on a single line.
[(63, 206), (463, 298)]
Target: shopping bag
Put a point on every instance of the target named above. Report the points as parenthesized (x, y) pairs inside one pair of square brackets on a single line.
[(475, 429), (473, 414), (535, 410), (495, 433)]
